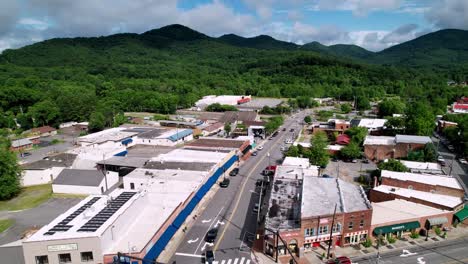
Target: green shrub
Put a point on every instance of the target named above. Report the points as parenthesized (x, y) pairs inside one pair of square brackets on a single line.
[(437, 231), (367, 243), (391, 239), (414, 235)]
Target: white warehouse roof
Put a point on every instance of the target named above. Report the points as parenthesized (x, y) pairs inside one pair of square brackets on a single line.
[(434, 180)]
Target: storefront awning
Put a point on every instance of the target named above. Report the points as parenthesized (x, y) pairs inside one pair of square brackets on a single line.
[(462, 214), (437, 221), (382, 230)]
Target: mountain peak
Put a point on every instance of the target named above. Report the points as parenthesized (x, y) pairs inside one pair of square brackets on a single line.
[(177, 32)]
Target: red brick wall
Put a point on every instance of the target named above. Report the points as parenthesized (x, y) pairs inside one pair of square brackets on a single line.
[(376, 196), (378, 152), (423, 187), (356, 218)]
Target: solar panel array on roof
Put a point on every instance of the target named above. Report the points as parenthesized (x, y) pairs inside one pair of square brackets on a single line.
[(63, 225), (100, 218)]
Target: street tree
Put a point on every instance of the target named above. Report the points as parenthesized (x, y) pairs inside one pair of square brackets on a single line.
[(357, 134), (419, 119), (308, 119), (10, 171), (44, 113), (391, 106), (318, 154), (346, 108), (351, 151), (97, 122), (393, 165)]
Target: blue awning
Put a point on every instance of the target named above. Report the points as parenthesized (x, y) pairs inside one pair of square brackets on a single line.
[(121, 154), (127, 141), (180, 134)]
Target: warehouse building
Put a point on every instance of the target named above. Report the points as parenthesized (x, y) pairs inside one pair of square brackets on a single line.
[(45, 170), (423, 167), (73, 181), (378, 148)]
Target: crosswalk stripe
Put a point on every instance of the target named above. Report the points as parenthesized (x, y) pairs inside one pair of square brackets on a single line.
[(222, 262), (235, 260), (242, 260), (229, 261), (215, 262), (248, 261)]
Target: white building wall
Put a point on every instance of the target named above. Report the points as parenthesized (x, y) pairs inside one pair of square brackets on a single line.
[(160, 141), (37, 177)]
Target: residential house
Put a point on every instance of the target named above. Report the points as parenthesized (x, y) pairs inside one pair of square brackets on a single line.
[(44, 131)]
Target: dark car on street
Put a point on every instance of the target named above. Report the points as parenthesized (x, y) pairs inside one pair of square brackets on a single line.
[(211, 235), (224, 183), (209, 256), (254, 153), (234, 172), (340, 260)]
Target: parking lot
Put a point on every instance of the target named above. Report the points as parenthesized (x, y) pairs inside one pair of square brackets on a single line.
[(349, 171), (34, 218)]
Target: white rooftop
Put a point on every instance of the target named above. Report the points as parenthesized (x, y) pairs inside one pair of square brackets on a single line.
[(444, 200), (188, 155), (412, 139), (379, 140), (400, 211), (111, 134), (320, 195), (292, 161), (440, 180), (221, 99), (421, 165), (372, 123), (334, 147), (83, 218)]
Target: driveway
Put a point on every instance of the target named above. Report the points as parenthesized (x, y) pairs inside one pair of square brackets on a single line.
[(47, 148), (35, 218)]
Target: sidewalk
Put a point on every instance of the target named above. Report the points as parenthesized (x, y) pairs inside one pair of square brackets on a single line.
[(313, 257)]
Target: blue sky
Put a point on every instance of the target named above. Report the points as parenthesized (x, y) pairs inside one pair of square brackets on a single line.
[(372, 24)]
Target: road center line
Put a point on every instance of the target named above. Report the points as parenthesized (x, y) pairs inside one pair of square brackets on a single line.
[(212, 222), (239, 195)]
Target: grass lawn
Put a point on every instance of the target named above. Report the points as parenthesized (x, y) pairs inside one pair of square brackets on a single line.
[(28, 198), (5, 224)]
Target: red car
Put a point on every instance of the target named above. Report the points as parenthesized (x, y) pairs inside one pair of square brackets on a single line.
[(340, 260)]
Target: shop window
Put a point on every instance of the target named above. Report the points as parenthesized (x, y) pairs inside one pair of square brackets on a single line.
[(42, 259), (64, 258), (87, 256), (323, 230), (350, 225), (337, 228), (132, 186), (361, 224), (309, 232)]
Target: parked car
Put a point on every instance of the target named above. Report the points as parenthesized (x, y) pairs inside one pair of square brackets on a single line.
[(291, 130), (450, 147), (463, 161), (340, 260), (259, 147), (256, 208), (211, 235), (234, 172), (284, 129), (441, 160), (209, 256), (365, 161), (354, 160), (283, 148), (326, 176), (254, 153), (224, 183), (275, 134), (25, 154)]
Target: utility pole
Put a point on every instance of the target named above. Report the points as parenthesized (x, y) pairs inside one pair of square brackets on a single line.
[(260, 201), (331, 233), (451, 165), (378, 246)]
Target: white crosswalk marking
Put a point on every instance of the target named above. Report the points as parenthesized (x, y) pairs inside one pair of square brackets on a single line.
[(235, 260), (215, 262), (242, 260), (222, 262), (248, 261), (229, 261)]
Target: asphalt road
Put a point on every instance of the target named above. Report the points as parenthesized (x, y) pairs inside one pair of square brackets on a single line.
[(230, 210), (452, 251), (453, 166), (40, 153)]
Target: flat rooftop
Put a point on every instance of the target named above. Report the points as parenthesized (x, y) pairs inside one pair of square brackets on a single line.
[(259, 103), (412, 139), (435, 180), (170, 165), (133, 162), (153, 133), (187, 155), (379, 140), (145, 151), (400, 211), (422, 166), (444, 200), (293, 161), (372, 123), (321, 194), (71, 223), (111, 134), (79, 177), (60, 160), (216, 143)]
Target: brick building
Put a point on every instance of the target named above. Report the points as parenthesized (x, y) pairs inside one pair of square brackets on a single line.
[(400, 218), (301, 210), (331, 126), (379, 148), (438, 184)]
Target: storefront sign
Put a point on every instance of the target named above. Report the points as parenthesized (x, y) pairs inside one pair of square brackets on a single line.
[(398, 227), (324, 221), (292, 234), (65, 247)]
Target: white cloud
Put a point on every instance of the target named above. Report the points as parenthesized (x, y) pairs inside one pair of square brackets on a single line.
[(34, 23), (9, 11), (358, 7), (449, 14)]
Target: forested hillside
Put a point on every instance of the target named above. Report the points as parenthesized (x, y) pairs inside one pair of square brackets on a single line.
[(168, 68)]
